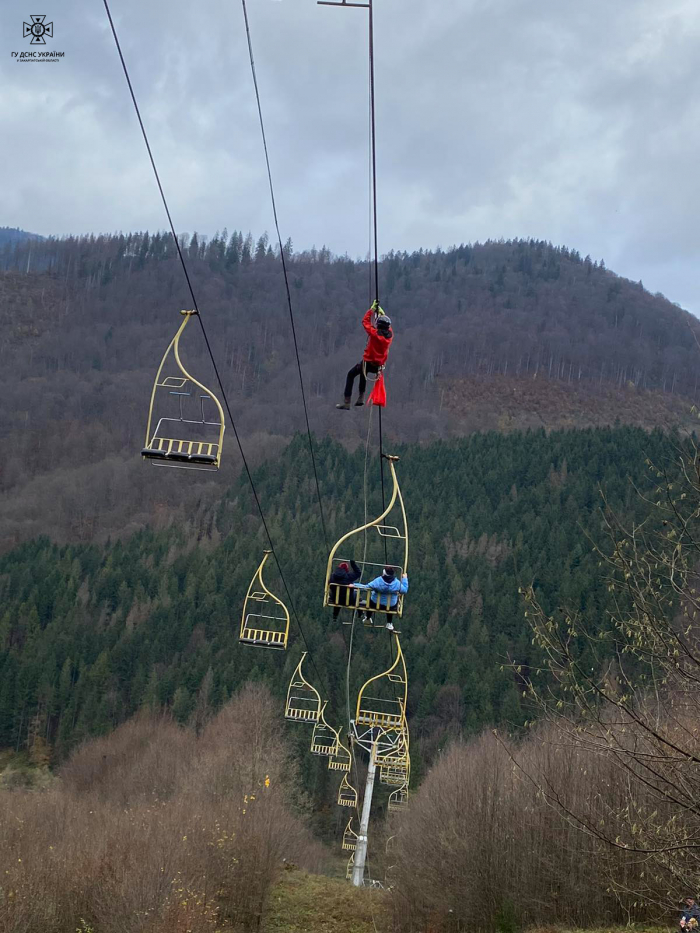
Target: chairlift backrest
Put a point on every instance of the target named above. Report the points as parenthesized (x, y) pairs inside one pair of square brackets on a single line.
[(324, 739), (398, 799), (303, 700), (349, 837), (347, 795), (265, 618), (348, 597), (385, 712), (340, 760), (189, 439)]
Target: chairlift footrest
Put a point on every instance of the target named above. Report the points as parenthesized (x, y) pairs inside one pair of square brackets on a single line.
[(262, 642)]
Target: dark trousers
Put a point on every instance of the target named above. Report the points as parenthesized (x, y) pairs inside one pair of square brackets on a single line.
[(359, 370)]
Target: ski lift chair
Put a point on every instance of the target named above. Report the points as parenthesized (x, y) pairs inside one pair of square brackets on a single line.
[(188, 436)]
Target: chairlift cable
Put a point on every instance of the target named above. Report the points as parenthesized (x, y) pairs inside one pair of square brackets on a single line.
[(208, 345), (373, 155), (374, 150), (285, 271)]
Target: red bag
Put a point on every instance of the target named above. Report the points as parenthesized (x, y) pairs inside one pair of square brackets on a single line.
[(378, 394)]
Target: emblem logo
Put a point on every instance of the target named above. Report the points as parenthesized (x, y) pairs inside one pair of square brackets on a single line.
[(37, 29)]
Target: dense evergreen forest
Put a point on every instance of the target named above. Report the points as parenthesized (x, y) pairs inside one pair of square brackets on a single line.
[(10, 236), (91, 633), (499, 336)]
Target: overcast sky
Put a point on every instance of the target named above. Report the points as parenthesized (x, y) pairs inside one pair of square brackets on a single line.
[(573, 122)]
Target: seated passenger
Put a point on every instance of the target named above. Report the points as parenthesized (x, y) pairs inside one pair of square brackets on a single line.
[(384, 593), (691, 914), (341, 578)]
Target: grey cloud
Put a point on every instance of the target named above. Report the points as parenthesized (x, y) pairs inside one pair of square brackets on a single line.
[(577, 123)]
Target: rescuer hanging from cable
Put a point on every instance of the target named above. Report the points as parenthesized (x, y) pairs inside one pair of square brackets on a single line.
[(374, 357)]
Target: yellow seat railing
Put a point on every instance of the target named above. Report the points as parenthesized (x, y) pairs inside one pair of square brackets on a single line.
[(398, 799), (185, 441), (347, 795), (385, 712), (265, 619), (303, 700), (349, 837), (348, 596), (324, 739), (340, 760)]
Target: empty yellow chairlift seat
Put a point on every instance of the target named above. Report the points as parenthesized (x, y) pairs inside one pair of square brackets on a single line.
[(349, 597), (381, 702), (303, 700), (392, 748), (398, 799), (265, 619), (349, 837), (395, 775), (324, 739), (347, 795), (185, 419), (340, 760)]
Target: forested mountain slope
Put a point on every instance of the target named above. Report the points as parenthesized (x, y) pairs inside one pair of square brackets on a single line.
[(10, 236), (91, 633), (499, 335)]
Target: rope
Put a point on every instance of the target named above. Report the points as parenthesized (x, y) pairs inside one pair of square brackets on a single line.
[(211, 354), (374, 150), (284, 270), (369, 197)]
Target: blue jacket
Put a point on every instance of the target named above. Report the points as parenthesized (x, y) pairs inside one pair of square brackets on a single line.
[(380, 586)]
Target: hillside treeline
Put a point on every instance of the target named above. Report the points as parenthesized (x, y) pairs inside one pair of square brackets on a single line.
[(90, 634), (85, 321), (594, 816), (482, 848), (158, 829)]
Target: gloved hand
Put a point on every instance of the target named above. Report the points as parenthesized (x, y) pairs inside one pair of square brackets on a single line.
[(375, 305)]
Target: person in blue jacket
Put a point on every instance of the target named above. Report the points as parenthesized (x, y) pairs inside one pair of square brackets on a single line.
[(691, 914), (384, 592)]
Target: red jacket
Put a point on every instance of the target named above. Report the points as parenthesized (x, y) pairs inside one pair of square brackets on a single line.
[(377, 348)]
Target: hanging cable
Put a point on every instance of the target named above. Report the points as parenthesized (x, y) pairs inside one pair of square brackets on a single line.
[(374, 150), (284, 270), (211, 353)]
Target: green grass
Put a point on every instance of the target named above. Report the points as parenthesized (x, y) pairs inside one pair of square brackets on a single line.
[(302, 903)]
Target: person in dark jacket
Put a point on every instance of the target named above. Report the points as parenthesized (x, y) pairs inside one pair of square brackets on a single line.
[(342, 577), (375, 355), (691, 914), (384, 592)]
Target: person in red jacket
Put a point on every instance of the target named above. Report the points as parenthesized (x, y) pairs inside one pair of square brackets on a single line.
[(374, 357)]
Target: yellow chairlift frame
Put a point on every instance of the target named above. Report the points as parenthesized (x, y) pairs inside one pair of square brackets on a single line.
[(324, 739), (392, 749), (347, 795), (398, 799), (385, 713), (265, 619), (397, 774), (340, 760), (349, 837), (303, 700), (349, 867), (348, 597), (163, 446)]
